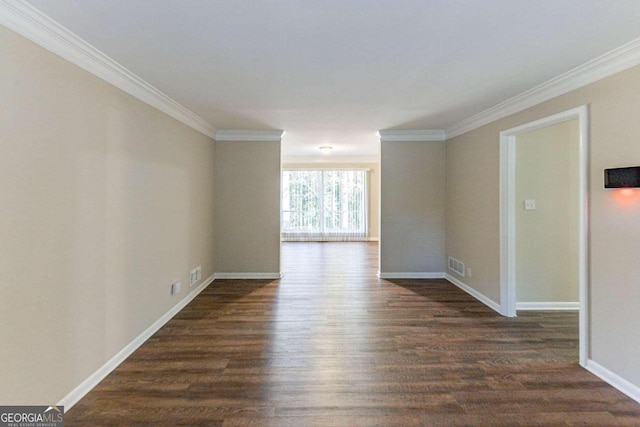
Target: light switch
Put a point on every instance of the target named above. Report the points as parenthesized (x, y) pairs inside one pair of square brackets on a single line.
[(529, 204)]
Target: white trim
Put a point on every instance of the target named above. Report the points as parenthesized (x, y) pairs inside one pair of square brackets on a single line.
[(507, 216), (573, 305), (29, 22), (247, 276), (94, 379), (412, 135), (507, 226), (382, 275), (330, 159), (324, 168), (583, 237), (248, 135), (615, 380), (373, 239), (474, 293), (333, 239), (614, 61)]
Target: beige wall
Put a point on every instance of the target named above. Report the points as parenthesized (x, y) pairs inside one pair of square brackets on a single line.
[(473, 212), (412, 206), (374, 187), (247, 206), (472, 194), (547, 237), (104, 201)]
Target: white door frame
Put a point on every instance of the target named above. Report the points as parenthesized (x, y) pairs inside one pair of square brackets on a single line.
[(507, 216)]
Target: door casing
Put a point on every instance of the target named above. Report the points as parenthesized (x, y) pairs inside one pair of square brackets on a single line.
[(508, 209)]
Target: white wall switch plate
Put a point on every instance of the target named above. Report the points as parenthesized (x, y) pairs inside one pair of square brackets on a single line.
[(530, 204)]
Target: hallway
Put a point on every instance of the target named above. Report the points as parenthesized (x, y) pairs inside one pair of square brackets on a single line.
[(330, 344)]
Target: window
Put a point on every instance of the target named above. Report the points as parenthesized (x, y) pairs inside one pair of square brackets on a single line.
[(324, 205)]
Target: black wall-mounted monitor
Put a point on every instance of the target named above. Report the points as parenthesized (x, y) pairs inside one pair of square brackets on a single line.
[(622, 177)]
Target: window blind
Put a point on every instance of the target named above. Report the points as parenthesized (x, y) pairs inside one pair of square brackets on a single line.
[(324, 205)]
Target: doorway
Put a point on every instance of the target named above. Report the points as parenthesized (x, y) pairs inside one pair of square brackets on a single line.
[(546, 216), (510, 204)]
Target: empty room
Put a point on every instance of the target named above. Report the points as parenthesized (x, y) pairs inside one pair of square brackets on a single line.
[(319, 213)]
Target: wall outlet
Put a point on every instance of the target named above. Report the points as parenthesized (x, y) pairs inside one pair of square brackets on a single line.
[(468, 271), (175, 288), (530, 205), (199, 273)]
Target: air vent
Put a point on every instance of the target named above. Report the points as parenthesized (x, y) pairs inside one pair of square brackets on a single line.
[(456, 265)]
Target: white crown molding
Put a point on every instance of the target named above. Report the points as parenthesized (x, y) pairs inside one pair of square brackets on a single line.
[(619, 59), (29, 22), (329, 159), (248, 135), (412, 135)]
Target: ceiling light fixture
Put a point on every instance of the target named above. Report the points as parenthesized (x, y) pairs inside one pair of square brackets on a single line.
[(326, 149)]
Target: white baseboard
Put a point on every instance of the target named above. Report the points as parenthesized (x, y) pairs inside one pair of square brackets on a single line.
[(548, 306), (94, 379), (382, 275), (631, 390), (247, 276), (477, 295), (319, 240)]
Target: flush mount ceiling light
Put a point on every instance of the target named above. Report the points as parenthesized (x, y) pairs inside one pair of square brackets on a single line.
[(326, 149)]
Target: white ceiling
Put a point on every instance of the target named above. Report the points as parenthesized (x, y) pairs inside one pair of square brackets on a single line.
[(333, 72)]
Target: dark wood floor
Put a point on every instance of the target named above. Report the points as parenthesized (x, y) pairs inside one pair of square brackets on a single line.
[(332, 345)]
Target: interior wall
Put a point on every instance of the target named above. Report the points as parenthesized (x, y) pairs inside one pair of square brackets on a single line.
[(412, 206), (374, 187), (104, 202), (547, 237), (473, 206), (247, 207)]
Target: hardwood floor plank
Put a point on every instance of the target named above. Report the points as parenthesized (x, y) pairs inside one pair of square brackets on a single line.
[(330, 344)]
